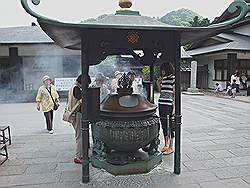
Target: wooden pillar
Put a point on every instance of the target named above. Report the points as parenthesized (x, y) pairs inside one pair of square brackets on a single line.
[(84, 119), (231, 64)]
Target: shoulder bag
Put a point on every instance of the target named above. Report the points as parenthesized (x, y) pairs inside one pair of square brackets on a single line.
[(55, 104)]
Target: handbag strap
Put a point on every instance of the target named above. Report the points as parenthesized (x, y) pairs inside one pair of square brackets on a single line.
[(50, 95), (75, 106)]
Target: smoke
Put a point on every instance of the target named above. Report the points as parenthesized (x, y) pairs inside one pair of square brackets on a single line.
[(124, 63), (20, 77), (20, 81)]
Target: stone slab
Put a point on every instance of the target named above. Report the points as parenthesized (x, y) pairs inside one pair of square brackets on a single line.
[(171, 180), (247, 179), (12, 170), (237, 161), (8, 181), (194, 93), (233, 183), (241, 152), (197, 156), (205, 164), (41, 168), (232, 172), (221, 154)]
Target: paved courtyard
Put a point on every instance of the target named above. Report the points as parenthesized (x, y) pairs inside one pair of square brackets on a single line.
[(215, 150)]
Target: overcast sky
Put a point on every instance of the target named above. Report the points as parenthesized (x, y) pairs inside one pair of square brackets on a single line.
[(12, 13)]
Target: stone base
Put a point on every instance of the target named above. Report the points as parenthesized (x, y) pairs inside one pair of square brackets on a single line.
[(193, 90), (136, 167), (191, 93)]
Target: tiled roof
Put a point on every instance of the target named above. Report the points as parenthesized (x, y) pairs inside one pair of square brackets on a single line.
[(238, 42), (25, 34)]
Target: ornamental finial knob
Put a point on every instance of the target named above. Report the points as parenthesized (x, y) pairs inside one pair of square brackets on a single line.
[(125, 3)]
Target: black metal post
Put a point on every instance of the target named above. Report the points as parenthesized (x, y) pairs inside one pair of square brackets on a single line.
[(177, 53), (84, 119)]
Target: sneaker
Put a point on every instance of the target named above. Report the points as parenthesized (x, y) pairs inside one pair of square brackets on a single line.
[(51, 132), (77, 160)]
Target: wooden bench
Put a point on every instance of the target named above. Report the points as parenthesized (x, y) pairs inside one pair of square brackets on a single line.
[(5, 136), (3, 152)]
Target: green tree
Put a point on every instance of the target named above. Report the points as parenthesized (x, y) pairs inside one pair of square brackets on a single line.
[(205, 22), (197, 22), (146, 74)]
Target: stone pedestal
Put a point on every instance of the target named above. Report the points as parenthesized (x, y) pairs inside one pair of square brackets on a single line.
[(193, 89), (193, 78), (140, 163)]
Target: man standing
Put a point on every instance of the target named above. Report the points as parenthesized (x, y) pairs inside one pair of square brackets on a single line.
[(236, 77)]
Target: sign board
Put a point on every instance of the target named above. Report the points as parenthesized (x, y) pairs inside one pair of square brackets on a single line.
[(64, 84)]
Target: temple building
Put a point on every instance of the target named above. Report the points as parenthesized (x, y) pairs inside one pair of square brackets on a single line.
[(226, 53), (26, 54)]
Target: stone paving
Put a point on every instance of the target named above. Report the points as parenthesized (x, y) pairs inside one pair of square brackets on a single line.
[(215, 150)]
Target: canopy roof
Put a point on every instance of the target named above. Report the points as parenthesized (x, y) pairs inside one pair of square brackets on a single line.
[(69, 34)]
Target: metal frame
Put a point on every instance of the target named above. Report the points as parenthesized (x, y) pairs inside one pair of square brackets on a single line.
[(84, 119), (174, 57)]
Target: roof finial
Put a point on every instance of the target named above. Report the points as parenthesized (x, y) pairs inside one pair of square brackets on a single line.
[(125, 4)]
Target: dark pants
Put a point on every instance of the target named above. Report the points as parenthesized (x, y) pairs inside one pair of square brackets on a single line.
[(237, 88), (49, 120), (165, 112), (248, 91), (244, 84)]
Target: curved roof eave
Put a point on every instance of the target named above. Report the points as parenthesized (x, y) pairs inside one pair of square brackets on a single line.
[(68, 35)]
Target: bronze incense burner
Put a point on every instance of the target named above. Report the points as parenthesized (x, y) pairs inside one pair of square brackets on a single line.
[(128, 123)]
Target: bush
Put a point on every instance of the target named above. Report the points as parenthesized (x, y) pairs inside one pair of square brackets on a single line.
[(146, 74)]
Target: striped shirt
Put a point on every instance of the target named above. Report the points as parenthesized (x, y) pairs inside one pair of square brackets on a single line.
[(167, 91)]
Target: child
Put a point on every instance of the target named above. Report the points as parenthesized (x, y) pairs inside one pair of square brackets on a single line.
[(218, 88)]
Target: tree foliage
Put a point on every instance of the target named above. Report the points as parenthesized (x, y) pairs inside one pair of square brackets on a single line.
[(146, 74), (180, 17), (197, 22)]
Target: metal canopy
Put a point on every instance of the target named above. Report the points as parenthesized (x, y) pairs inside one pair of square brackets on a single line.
[(69, 35)]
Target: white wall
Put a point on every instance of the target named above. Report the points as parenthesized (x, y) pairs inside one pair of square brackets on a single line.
[(209, 60), (243, 55), (4, 51), (39, 60)]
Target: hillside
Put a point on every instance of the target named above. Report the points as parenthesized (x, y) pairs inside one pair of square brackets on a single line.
[(180, 17)]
